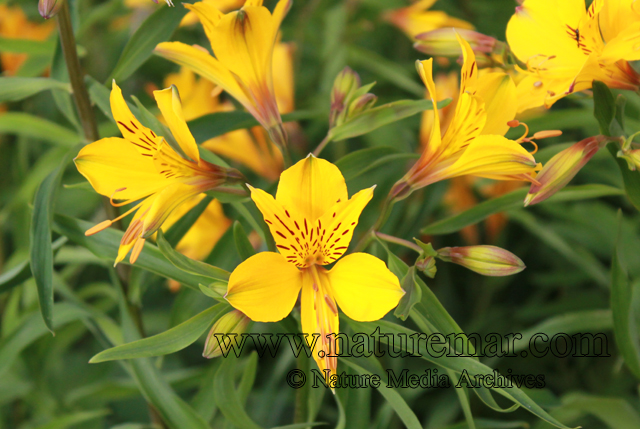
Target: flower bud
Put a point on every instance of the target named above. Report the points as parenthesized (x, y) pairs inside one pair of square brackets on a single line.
[(49, 8), (346, 83), (234, 322), (362, 103), (486, 260), (632, 157), (443, 42), (562, 168), (427, 265)]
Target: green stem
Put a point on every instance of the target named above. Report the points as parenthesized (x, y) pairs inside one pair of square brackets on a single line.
[(322, 145), (384, 215), (400, 241), (76, 77), (301, 409)]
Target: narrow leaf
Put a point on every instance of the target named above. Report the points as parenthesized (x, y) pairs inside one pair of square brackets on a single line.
[(227, 398), (19, 88), (170, 341), (24, 124), (243, 245), (157, 28)]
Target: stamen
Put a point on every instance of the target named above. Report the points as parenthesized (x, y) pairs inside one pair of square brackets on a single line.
[(546, 134), (118, 204), (99, 227), (331, 304), (137, 248)]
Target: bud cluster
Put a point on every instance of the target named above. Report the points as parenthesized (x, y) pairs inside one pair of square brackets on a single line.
[(349, 98)]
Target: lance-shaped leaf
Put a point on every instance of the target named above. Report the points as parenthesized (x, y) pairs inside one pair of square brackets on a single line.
[(377, 117), (19, 88)]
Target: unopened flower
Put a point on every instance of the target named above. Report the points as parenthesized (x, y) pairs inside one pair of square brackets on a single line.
[(243, 43), (443, 42), (348, 98), (417, 18), (49, 8), (566, 47), (312, 220), (233, 323), (486, 260), (632, 157), (143, 166), (473, 143), (560, 169)]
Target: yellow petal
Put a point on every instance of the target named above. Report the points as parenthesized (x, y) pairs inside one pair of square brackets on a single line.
[(469, 72), (171, 108), (616, 16), (203, 64), (494, 157), (283, 78), (425, 69), (336, 226), (498, 92), (199, 241), (364, 287), (113, 164), (319, 315), (144, 139), (625, 46), (164, 203), (311, 187), (467, 123), (293, 234), (264, 287)]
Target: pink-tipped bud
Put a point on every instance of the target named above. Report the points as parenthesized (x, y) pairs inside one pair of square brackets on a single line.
[(632, 157), (486, 260), (234, 322), (362, 103), (562, 168), (443, 42), (49, 8), (346, 83)]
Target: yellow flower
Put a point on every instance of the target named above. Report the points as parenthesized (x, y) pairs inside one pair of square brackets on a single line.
[(417, 19), (474, 142), (312, 222), (143, 166), (249, 147), (566, 47), (242, 42), (14, 25)]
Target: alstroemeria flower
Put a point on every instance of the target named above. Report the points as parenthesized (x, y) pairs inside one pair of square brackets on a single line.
[(417, 18), (473, 143), (566, 47), (242, 42), (143, 166), (312, 221), (248, 147)]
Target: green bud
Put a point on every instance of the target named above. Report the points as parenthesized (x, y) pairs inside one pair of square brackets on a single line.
[(486, 260), (234, 322)]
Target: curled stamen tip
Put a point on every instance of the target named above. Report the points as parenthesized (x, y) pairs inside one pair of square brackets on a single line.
[(97, 228), (546, 134), (514, 123)]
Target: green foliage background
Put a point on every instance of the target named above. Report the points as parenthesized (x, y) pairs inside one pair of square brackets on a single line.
[(580, 249)]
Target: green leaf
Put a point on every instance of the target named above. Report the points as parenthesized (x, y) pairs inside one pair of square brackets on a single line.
[(394, 399), (616, 413), (175, 412), (22, 271), (26, 46), (412, 296), (24, 124), (377, 117), (604, 106), (386, 69), (490, 424), (170, 341), (157, 28), (243, 245), (32, 329), (71, 420), (187, 264), (19, 88), (361, 161), (512, 200), (105, 246), (624, 325), (457, 364), (41, 250), (184, 224), (227, 398), (216, 124), (630, 178)]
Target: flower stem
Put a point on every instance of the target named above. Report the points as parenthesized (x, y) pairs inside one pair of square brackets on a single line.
[(400, 241), (322, 145), (76, 77)]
